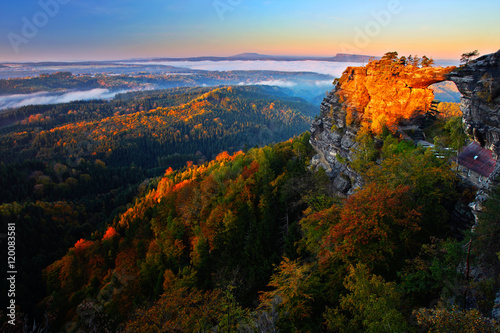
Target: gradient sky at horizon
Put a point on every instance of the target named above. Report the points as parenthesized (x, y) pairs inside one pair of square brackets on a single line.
[(122, 29)]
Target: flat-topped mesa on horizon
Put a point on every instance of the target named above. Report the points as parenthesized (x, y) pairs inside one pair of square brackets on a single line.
[(384, 93)]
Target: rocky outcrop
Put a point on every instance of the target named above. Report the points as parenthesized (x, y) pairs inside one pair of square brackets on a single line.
[(334, 141), (495, 314), (382, 93), (479, 84), (386, 92)]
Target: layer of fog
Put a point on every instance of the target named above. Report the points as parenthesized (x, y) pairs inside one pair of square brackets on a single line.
[(290, 84), (322, 67), (277, 83), (311, 90), (307, 89), (301, 87), (15, 101)]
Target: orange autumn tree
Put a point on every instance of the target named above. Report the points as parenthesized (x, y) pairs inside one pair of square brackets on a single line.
[(180, 310), (293, 286), (110, 233), (374, 225)]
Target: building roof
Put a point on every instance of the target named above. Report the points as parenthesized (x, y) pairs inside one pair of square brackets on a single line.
[(478, 159)]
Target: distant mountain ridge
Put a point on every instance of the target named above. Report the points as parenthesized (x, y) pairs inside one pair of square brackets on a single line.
[(340, 57)]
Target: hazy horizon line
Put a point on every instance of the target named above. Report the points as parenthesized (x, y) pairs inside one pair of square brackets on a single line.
[(3, 62)]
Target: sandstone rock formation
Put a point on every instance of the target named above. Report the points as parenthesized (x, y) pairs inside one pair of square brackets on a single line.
[(382, 93), (333, 141), (479, 84), (385, 92)]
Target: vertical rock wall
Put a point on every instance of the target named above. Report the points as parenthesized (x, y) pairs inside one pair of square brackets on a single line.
[(479, 84)]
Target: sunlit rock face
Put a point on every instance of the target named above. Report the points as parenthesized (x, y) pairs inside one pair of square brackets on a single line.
[(387, 92), (382, 93)]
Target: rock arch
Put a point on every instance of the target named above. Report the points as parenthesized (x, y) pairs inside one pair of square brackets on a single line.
[(384, 93), (479, 84)]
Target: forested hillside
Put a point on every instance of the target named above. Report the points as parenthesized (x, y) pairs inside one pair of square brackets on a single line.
[(155, 213), (255, 241), (219, 119), (66, 170), (302, 84)]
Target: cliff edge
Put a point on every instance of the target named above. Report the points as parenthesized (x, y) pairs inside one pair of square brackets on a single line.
[(383, 94), (479, 84)]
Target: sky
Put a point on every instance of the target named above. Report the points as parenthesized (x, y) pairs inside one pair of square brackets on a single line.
[(82, 30)]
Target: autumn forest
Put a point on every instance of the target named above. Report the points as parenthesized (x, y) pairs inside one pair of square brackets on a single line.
[(198, 209)]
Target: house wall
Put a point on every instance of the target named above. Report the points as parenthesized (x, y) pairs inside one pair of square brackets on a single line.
[(473, 177)]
